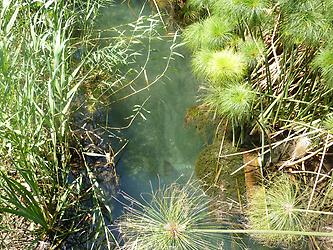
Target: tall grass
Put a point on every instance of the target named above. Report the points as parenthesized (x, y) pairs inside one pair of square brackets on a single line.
[(52, 60), (37, 88)]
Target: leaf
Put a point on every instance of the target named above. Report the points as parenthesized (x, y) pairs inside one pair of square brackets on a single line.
[(12, 20), (143, 117)]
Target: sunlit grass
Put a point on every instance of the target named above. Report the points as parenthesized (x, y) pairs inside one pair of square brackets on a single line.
[(324, 61), (216, 32), (328, 123), (194, 30), (219, 66), (253, 50)]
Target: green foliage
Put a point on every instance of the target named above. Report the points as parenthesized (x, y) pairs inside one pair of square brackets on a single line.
[(324, 61), (174, 217), (50, 56), (305, 22), (217, 32), (37, 88), (252, 12), (212, 33), (219, 66), (199, 3), (233, 101), (282, 50), (252, 49), (276, 208), (194, 30), (328, 123)]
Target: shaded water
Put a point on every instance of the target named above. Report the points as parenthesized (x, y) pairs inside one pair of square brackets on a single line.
[(160, 148)]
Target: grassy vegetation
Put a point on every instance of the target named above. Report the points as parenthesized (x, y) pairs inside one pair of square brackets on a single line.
[(54, 63), (266, 76), (38, 86), (266, 72)]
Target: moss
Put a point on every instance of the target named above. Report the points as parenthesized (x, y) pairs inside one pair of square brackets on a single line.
[(216, 175)]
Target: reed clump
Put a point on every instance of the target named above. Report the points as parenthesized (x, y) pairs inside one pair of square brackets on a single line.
[(50, 60)]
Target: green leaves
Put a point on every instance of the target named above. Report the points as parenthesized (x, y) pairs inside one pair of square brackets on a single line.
[(18, 200)]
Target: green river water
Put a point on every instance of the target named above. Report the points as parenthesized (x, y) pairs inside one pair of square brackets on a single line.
[(160, 149)]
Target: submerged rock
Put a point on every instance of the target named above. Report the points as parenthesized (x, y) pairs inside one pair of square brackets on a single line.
[(214, 169)]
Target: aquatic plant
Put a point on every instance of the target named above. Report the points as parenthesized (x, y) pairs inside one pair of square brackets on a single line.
[(305, 22), (291, 72), (219, 66), (276, 208), (328, 123), (252, 12), (48, 51), (173, 217), (211, 33), (233, 101), (217, 32), (324, 61), (252, 49), (194, 30), (200, 3)]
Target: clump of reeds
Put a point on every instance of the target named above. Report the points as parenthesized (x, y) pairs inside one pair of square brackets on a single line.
[(48, 51)]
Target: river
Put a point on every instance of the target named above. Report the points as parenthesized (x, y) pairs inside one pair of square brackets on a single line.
[(160, 149)]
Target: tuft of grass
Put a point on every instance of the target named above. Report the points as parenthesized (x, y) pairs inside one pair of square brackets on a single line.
[(219, 66), (328, 123), (274, 209), (194, 30), (200, 62), (234, 101), (252, 49), (174, 217), (217, 32)]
